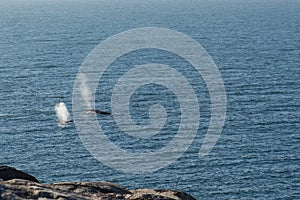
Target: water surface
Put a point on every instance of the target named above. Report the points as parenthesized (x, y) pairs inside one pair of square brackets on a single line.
[(254, 44)]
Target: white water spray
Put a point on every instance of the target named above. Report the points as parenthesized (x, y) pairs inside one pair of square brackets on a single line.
[(85, 92), (62, 113), (87, 97)]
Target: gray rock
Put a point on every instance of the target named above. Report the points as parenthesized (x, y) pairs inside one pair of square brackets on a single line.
[(17, 185), (160, 194), (23, 189), (17, 189)]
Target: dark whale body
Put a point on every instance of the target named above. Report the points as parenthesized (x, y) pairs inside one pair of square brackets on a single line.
[(98, 112)]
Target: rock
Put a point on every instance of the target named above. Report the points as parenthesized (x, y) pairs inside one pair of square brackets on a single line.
[(18, 189), (27, 187), (159, 194), (8, 173), (23, 189)]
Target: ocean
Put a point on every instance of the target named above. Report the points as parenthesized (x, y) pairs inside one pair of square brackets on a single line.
[(255, 46)]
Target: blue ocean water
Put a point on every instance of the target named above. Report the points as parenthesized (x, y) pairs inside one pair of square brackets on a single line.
[(255, 45)]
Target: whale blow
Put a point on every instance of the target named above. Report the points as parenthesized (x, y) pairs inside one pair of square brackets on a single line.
[(62, 113)]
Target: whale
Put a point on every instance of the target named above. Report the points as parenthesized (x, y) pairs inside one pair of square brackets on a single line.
[(66, 122), (98, 112)]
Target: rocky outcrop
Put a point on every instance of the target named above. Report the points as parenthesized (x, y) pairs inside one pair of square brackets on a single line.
[(8, 173), (17, 189), (159, 194)]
